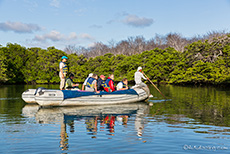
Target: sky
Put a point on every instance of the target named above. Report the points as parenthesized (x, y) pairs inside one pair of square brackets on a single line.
[(60, 23)]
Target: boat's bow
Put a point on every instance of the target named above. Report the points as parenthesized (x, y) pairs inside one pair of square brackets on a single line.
[(28, 96), (49, 97)]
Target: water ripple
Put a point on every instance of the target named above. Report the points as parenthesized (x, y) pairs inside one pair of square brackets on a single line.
[(10, 98)]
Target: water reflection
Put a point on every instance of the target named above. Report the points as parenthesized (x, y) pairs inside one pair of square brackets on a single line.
[(96, 119), (208, 105), (193, 116), (64, 137)]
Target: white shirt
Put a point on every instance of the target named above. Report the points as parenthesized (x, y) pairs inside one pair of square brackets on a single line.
[(119, 86), (138, 76), (85, 82), (61, 65)]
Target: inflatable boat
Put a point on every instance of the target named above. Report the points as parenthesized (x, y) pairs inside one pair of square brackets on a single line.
[(76, 97)]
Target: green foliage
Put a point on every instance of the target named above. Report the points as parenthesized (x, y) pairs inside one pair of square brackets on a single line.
[(160, 63), (48, 64), (3, 66), (201, 62), (15, 59)]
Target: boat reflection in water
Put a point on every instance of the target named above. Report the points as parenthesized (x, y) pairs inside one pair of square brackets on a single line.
[(105, 117)]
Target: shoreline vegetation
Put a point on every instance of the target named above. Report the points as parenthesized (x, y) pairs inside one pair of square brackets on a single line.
[(172, 59)]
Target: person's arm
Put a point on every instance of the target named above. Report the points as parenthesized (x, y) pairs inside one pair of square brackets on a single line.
[(85, 82), (125, 88), (75, 85), (95, 85), (111, 85), (61, 70), (143, 76)]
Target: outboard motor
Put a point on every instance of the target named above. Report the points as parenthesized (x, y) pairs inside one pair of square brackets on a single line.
[(39, 91)]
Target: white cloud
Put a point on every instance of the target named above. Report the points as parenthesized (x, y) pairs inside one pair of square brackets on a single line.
[(55, 3), (86, 36), (59, 40), (135, 21), (19, 27), (53, 36), (91, 45), (57, 36), (72, 35)]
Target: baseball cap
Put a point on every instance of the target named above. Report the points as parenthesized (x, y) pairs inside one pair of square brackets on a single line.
[(102, 76), (64, 57)]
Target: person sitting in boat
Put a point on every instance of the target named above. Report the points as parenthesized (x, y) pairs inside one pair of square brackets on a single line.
[(69, 82), (100, 83), (109, 84), (85, 82), (91, 84), (123, 85)]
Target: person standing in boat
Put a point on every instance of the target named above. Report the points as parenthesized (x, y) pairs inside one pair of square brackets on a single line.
[(137, 77), (85, 82), (69, 84), (91, 84), (63, 71), (109, 84), (100, 83), (123, 85)]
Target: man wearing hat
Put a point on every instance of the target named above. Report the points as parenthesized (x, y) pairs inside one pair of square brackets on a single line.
[(138, 76), (63, 71)]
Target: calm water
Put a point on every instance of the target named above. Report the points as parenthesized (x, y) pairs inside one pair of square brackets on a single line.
[(193, 120)]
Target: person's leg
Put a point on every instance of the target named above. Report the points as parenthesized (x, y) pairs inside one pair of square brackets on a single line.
[(62, 83), (145, 87), (89, 89)]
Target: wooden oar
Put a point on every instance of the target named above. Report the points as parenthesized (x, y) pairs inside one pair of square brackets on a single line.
[(154, 85)]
